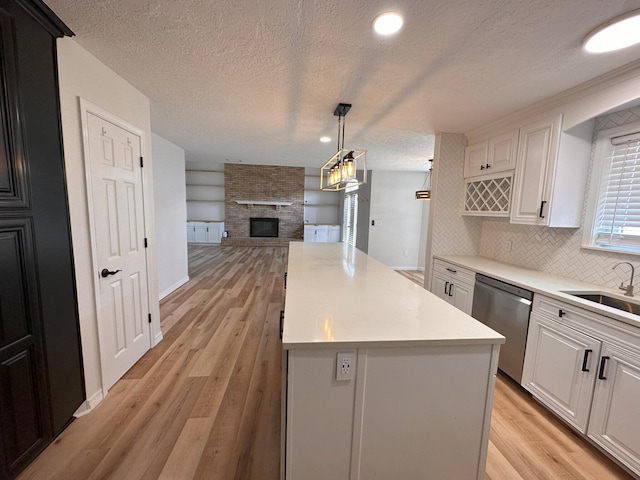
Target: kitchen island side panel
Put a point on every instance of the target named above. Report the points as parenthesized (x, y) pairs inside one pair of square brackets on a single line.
[(423, 411)]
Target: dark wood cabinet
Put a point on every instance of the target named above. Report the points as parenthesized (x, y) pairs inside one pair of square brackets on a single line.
[(41, 375)]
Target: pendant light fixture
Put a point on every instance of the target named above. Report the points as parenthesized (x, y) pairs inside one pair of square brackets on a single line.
[(425, 192), (341, 170)]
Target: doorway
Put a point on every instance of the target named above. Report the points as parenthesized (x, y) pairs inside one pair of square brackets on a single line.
[(117, 218)]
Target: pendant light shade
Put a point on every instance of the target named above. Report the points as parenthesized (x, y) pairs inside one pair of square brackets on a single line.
[(425, 192), (341, 170)]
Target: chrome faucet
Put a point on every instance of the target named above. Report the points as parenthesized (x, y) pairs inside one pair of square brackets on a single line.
[(628, 289)]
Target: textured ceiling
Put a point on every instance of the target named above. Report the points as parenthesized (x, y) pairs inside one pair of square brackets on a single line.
[(258, 81)]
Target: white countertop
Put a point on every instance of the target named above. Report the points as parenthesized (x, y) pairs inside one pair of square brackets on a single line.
[(547, 284), (338, 295)]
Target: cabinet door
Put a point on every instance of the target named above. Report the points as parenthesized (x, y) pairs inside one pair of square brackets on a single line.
[(462, 297), (537, 151), (191, 232), (440, 286), (322, 233), (503, 151), (334, 233), (615, 423), (309, 233), (560, 368), (201, 234), (214, 233), (475, 159)]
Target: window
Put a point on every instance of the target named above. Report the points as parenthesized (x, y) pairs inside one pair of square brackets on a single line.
[(350, 218), (614, 200)]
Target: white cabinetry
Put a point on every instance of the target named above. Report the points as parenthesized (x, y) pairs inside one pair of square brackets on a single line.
[(615, 424), (586, 368), (488, 173), (497, 154), (204, 232), (453, 284), (551, 173), (560, 369), (322, 233), (475, 159)]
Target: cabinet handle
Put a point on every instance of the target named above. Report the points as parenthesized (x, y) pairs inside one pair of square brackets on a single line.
[(542, 207), (603, 362), (488, 166), (285, 280), (451, 270), (481, 167), (585, 360), (446, 284), (561, 313), (450, 287), (281, 323)]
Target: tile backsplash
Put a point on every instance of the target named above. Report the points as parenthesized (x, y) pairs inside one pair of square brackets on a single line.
[(452, 233), (558, 250)]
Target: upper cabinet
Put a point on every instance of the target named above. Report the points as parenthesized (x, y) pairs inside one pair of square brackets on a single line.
[(488, 173), (476, 159), (551, 172), (498, 154)]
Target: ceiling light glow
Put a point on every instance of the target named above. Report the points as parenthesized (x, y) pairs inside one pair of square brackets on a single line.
[(325, 139), (388, 23), (618, 33)]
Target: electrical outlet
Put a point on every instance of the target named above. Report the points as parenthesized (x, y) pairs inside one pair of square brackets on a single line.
[(346, 366), (508, 245)]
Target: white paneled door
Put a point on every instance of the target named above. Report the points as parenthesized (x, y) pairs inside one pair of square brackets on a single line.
[(118, 218)]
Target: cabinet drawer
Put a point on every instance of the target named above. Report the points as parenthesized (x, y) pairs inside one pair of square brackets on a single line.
[(456, 273), (561, 311)]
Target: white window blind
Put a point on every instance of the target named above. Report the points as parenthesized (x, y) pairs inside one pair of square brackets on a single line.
[(349, 218), (617, 220)]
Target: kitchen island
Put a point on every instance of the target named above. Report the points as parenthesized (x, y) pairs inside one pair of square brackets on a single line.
[(381, 379)]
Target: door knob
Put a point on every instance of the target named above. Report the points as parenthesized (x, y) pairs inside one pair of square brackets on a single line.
[(106, 272)]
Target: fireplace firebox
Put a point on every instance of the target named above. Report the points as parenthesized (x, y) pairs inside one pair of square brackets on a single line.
[(263, 227)]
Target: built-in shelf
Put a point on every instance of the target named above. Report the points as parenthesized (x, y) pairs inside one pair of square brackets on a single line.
[(207, 201), (274, 203), (333, 205)]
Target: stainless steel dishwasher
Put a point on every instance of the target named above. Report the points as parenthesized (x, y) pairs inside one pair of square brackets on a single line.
[(504, 308)]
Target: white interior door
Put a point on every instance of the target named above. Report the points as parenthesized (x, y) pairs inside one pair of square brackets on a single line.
[(123, 302)]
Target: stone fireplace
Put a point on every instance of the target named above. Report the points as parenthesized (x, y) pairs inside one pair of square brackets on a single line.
[(284, 186)]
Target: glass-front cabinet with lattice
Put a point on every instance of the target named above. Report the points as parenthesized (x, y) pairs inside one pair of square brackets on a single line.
[(488, 196)]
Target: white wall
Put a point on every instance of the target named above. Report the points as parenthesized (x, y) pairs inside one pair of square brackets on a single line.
[(83, 75), (170, 196), (395, 238)]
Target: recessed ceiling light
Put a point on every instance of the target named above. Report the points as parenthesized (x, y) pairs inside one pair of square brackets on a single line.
[(388, 23), (325, 139), (618, 33)]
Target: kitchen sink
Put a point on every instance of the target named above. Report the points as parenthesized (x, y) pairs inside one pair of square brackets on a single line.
[(613, 302)]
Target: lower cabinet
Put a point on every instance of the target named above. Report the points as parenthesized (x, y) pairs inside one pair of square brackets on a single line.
[(322, 233), (615, 423), (560, 369), (204, 232), (453, 284), (586, 369)]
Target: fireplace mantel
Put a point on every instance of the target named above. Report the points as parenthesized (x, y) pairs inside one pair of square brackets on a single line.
[(250, 203)]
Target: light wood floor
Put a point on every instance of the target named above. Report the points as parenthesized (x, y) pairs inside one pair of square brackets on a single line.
[(205, 403)]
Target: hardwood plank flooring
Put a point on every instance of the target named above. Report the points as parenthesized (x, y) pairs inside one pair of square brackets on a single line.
[(205, 403)]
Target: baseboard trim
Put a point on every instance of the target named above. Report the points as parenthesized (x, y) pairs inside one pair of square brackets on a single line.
[(157, 339), (89, 404), (405, 268), (174, 287)]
